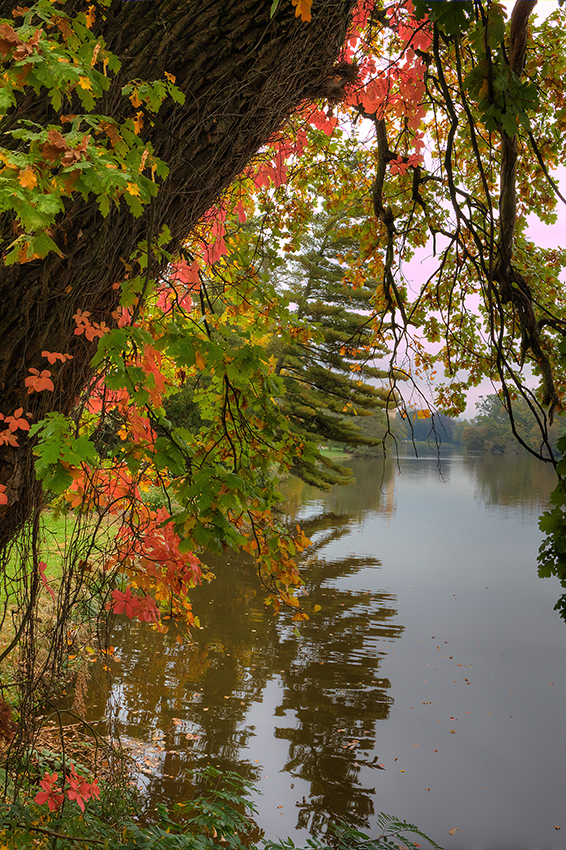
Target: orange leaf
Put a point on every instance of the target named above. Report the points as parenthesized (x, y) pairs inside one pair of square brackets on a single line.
[(199, 360), (303, 9), (37, 382), (53, 356), (8, 39), (27, 178), (138, 122), (134, 99), (55, 145)]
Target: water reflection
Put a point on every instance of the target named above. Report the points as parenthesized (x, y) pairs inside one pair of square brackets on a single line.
[(252, 695), (507, 481), (179, 706), (332, 686)]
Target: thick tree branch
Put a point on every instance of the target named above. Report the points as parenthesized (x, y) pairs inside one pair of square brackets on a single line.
[(243, 74)]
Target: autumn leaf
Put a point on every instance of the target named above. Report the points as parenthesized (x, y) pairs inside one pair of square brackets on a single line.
[(303, 9), (63, 26), (111, 131), (54, 147), (27, 178), (38, 381), (8, 39), (199, 360), (53, 356), (134, 99), (16, 421)]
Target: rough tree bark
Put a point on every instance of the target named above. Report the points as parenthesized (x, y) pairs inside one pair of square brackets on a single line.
[(243, 74)]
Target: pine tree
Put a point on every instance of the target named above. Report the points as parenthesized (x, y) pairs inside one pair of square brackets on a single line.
[(328, 364)]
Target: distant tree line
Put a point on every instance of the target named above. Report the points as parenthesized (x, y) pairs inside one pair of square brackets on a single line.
[(491, 429)]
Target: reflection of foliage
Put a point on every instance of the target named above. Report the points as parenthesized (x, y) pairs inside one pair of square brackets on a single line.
[(192, 702), (345, 838), (371, 489), (220, 814), (524, 482), (333, 686)]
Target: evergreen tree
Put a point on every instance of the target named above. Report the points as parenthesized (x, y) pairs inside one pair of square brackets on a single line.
[(328, 361)]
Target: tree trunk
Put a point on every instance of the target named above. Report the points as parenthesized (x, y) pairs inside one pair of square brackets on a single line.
[(243, 74)]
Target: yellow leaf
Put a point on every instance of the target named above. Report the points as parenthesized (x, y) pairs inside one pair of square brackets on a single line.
[(134, 99), (484, 89), (170, 77), (303, 9), (85, 83), (90, 17), (138, 123), (27, 178), (316, 608), (133, 189), (199, 360)]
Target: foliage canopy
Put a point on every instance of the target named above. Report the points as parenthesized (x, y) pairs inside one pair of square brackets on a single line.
[(161, 186)]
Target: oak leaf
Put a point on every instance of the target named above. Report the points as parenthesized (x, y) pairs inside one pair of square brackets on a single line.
[(54, 147), (27, 178), (8, 39)]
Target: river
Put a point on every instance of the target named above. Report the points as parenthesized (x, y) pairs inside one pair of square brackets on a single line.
[(431, 684)]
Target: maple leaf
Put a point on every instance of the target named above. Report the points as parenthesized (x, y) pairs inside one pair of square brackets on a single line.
[(303, 9), (51, 793)]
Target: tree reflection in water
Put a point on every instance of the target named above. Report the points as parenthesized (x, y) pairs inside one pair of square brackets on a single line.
[(180, 706), (331, 683)]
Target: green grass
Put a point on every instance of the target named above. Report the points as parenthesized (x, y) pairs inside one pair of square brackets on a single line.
[(334, 453)]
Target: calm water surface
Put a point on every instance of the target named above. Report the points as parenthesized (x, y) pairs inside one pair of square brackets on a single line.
[(431, 685)]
